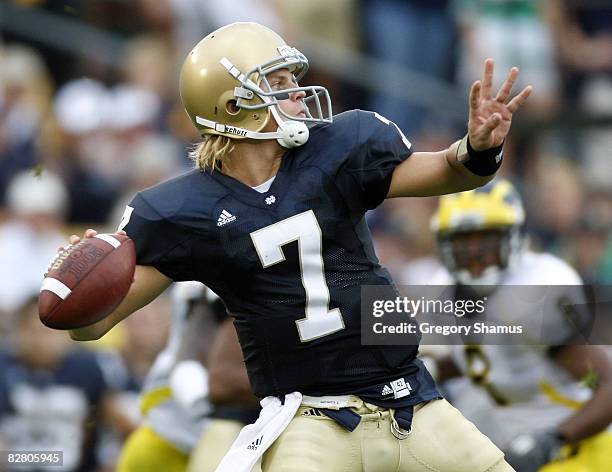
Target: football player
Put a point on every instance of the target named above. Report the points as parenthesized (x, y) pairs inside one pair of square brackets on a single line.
[(232, 400), (273, 221), (196, 397), (174, 399), (53, 396), (533, 404)]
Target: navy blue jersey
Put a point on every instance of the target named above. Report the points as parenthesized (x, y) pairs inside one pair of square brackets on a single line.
[(288, 263)]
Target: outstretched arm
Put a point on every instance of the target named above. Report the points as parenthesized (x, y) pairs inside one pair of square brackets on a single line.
[(490, 117)]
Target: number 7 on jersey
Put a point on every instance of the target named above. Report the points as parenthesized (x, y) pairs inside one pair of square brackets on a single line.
[(303, 228)]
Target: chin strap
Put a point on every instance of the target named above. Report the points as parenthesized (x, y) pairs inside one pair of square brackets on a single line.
[(293, 133), (289, 134)]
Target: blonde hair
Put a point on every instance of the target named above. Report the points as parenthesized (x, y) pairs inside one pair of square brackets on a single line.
[(209, 154)]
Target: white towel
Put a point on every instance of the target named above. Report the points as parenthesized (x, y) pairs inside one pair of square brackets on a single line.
[(254, 439)]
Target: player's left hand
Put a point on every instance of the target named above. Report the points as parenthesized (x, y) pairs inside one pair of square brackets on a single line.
[(490, 116), (529, 452)]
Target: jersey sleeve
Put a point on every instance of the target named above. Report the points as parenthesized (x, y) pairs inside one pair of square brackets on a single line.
[(365, 177), (159, 241)]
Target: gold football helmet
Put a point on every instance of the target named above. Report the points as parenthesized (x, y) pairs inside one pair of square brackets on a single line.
[(225, 90)]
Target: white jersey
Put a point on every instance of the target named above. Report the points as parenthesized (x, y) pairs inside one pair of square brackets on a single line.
[(168, 418), (524, 388)]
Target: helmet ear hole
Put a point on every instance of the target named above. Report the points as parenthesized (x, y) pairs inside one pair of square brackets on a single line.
[(232, 107)]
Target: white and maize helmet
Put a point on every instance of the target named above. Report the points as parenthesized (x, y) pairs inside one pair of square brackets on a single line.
[(496, 206)]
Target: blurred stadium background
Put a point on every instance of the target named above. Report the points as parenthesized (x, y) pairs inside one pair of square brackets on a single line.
[(89, 114)]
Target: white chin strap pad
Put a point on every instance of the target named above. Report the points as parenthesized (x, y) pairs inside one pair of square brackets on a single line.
[(293, 133)]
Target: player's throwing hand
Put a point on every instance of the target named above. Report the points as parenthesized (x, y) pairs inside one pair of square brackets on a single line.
[(491, 116)]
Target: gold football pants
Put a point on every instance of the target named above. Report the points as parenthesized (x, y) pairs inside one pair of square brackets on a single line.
[(214, 443), (441, 440)]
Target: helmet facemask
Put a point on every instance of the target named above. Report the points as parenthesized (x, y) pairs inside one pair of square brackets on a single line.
[(499, 251), (317, 98)]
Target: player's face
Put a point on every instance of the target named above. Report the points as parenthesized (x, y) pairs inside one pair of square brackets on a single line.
[(476, 250), (283, 79)]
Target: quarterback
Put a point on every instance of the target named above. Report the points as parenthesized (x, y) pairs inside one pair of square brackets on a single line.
[(526, 398), (272, 220)]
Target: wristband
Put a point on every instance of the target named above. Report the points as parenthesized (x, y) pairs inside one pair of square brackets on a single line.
[(481, 163)]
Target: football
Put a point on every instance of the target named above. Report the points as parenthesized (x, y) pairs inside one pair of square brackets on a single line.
[(87, 281)]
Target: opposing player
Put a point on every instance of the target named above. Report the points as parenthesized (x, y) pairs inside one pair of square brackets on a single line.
[(527, 398), (233, 402), (273, 221), (174, 400), (196, 397)]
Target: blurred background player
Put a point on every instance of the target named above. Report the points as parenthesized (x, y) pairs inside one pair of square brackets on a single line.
[(54, 396), (174, 401), (527, 398), (194, 390), (36, 207), (233, 403)]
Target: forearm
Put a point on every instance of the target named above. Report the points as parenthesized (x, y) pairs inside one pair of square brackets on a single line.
[(91, 332), (97, 330), (426, 174), (147, 285), (592, 418)]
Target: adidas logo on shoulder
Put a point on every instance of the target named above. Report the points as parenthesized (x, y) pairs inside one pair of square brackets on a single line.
[(224, 218), (386, 391), (255, 444)]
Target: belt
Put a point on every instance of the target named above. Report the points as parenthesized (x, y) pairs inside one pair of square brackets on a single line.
[(337, 407)]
